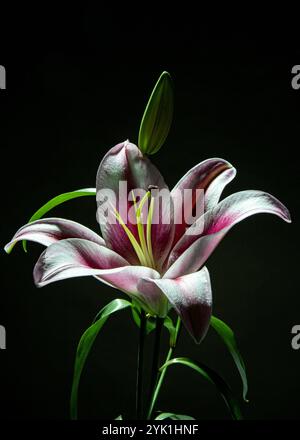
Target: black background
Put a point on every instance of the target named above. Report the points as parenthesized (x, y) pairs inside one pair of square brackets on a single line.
[(77, 83)]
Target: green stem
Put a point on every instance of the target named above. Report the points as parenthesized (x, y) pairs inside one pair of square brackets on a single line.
[(140, 364), (163, 373), (155, 359)]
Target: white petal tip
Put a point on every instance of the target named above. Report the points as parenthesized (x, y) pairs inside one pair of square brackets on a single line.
[(288, 218), (8, 248), (285, 215)]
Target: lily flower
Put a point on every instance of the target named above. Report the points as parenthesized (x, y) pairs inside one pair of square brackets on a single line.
[(160, 265)]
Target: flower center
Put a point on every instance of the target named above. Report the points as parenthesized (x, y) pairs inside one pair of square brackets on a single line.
[(143, 246)]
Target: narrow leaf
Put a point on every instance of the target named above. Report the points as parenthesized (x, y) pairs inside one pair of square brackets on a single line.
[(212, 377), (158, 116), (57, 201), (172, 416), (227, 335), (85, 345)]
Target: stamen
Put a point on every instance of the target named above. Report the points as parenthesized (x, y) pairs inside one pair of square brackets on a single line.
[(149, 224), (134, 201), (150, 187), (132, 239), (140, 227), (144, 248)]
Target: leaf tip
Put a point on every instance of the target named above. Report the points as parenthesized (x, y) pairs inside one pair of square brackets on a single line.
[(166, 74)]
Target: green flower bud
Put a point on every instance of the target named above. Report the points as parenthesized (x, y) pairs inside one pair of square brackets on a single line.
[(157, 117)]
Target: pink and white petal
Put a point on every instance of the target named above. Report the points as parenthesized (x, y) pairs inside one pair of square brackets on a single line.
[(76, 257), (123, 163), (127, 279), (211, 175), (195, 256), (191, 297), (215, 189), (162, 228), (49, 230), (192, 251)]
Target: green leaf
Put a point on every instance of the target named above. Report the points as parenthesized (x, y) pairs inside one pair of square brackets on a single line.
[(212, 377), (172, 416), (227, 335), (158, 116), (119, 418), (57, 201), (85, 345)]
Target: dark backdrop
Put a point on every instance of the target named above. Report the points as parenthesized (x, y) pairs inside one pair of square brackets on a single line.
[(77, 83)]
